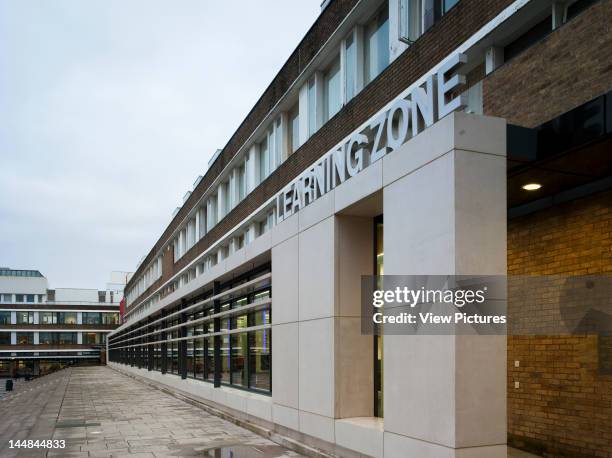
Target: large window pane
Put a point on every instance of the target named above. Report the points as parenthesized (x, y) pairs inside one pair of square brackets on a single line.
[(264, 159), (377, 44), (67, 318), (190, 358), (91, 318), (209, 365), (25, 317), (239, 352), (410, 20), (5, 317), (25, 338), (198, 356), (260, 360), (277, 157), (5, 338), (333, 97), (294, 123), (312, 113), (351, 67)]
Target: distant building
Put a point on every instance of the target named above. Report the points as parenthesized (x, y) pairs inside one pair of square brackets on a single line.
[(44, 329)]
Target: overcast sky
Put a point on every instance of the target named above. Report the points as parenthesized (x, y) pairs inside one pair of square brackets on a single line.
[(109, 110)]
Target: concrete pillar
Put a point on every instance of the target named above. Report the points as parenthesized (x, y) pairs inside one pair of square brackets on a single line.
[(79, 338), (79, 317), (13, 338), (445, 396), (13, 317), (36, 338), (36, 318)]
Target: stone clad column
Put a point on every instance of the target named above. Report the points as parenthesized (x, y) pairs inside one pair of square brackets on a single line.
[(445, 213)]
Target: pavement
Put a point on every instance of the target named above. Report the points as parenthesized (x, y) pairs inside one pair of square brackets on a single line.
[(100, 412)]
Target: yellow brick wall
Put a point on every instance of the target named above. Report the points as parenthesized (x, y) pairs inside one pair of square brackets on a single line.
[(563, 405)]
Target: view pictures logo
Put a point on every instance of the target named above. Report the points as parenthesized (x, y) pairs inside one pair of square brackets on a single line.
[(411, 297)]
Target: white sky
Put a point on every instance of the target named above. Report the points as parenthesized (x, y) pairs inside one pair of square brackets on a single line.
[(109, 109)]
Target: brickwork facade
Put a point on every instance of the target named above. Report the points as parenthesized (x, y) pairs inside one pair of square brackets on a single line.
[(567, 68), (563, 405)]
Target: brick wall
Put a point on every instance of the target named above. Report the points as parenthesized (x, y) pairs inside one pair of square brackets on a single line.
[(563, 406), (569, 67)]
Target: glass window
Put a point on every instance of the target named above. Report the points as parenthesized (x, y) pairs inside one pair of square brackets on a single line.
[(5, 317), (67, 318), (264, 159), (94, 338), (5, 338), (260, 361), (198, 358), (294, 128), (25, 317), (92, 318), (226, 198), (190, 354), (312, 102), (239, 353), (110, 318), (6, 297), (333, 97), (241, 182), (448, 4), (410, 20), (66, 338), (225, 351), (209, 364), (47, 318), (19, 297), (25, 338), (377, 44), (45, 338), (351, 67)]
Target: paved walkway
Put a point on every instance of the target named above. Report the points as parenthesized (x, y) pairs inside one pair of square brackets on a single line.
[(101, 413)]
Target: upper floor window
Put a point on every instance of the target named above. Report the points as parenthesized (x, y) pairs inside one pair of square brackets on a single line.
[(5, 317), (270, 150), (332, 95), (241, 182), (225, 195), (377, 44), (448, 4), (312, 102), (25, 317), (410, 20), (350, 70), (294, 128)]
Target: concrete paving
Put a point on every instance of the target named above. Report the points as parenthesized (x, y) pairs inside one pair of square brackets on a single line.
[(99, 412)]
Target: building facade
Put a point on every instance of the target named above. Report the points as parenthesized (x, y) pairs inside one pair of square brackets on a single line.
[(400, 137), (42, 329)]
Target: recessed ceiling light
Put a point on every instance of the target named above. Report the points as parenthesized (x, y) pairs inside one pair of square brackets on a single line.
[(531, 186)]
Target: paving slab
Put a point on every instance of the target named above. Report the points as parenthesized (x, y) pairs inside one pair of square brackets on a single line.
[(100, 412)]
